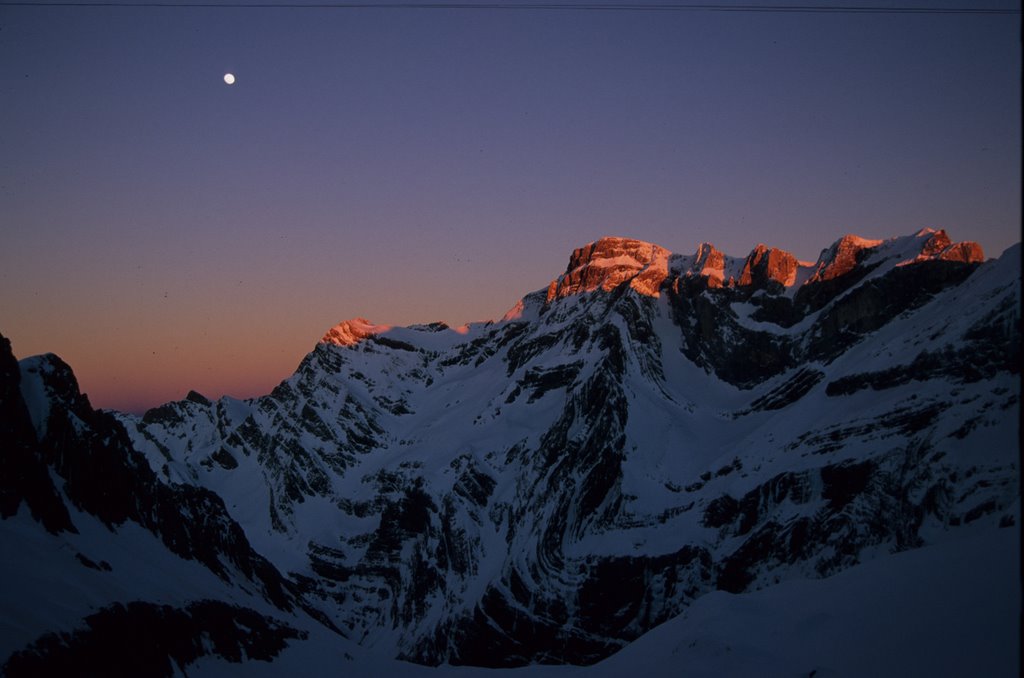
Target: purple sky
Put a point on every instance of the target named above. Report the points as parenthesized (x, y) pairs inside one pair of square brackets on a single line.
[(163, 231)]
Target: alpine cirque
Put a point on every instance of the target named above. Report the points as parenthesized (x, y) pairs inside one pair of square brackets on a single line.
[(795, 468)]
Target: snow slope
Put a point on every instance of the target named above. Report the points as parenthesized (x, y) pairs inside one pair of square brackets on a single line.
[(628, 453)]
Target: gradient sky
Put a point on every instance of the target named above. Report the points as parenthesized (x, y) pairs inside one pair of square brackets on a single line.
[(163, 231)]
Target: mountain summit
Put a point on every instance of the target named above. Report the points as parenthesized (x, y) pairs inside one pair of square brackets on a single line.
[(609, 262), (653, 438)]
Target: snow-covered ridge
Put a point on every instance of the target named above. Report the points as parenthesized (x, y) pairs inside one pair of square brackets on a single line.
[(607, 263), (351, 332), (432, 337)]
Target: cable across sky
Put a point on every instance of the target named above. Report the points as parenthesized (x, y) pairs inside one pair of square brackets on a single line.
[(533, 6)]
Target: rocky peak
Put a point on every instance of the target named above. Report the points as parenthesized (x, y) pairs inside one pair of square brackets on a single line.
[(967, 251), (46, 378), (925, 245), (938, 245), (767, 264), (198, 398), (841, 258), (707, 256), (710, 263), (609, 262), (935, 241), (351, 332)]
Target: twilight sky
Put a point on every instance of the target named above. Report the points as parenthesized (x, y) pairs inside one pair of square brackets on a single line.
[(161, 230)]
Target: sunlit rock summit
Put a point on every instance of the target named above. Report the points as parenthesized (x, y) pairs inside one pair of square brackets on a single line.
[(609, 262), (651, 444)]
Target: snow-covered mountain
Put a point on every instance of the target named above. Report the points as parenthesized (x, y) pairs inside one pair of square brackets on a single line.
[(647, 435)]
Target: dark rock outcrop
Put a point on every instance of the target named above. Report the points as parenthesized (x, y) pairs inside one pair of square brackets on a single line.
[(24, 476), (147, 639)]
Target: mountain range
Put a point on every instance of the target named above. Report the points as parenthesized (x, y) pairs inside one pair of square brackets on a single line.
[(695, 464)]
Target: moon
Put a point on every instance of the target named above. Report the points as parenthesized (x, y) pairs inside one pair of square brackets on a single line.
[(229, 78)]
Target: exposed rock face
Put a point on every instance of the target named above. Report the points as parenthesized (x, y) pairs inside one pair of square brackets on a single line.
[(842, 257), (939, 246), (966, 252), (935, 244), (767, 266), (710, 263), (548, 487), (848, 254), (609, 262)]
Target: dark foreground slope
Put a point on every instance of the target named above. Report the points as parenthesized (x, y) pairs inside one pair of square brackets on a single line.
[(91, 531)]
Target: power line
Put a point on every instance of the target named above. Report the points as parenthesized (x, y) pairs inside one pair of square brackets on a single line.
[(574, 7)]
